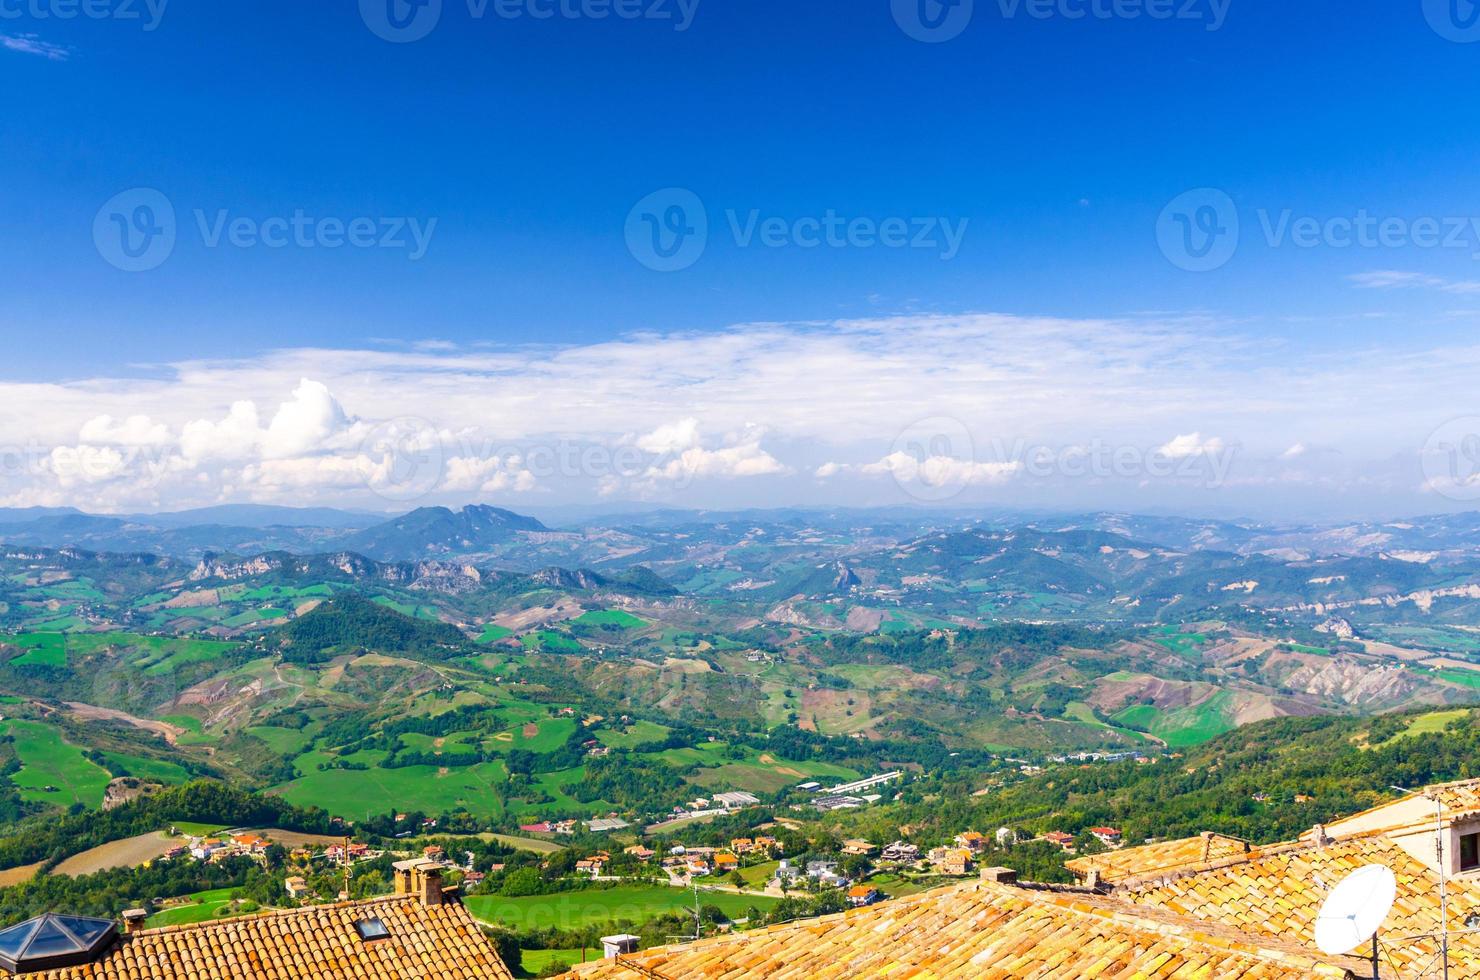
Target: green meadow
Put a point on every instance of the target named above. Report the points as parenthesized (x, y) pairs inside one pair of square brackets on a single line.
[(48, 760), (627, 903), (352, 794)]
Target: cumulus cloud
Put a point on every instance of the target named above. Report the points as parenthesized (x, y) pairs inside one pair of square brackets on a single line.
[(717, 412), (237, 436), (943, 471), (671, 438), (492, 474), (1192, 444), (687, 460), (306, 422), (136, 430)]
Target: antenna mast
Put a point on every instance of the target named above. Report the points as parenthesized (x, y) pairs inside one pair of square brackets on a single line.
[(1443, 872)]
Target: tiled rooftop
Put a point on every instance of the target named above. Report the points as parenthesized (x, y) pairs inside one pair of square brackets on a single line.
[(1115, 865), (439, 942), (1277, 892), (988, 931)]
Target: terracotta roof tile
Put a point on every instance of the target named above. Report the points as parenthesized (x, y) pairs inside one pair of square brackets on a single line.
[(986, 931), (1278, 891), (319, 943), (1137, 861)]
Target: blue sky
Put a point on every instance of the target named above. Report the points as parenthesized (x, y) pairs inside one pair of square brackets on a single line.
[(519, 146)]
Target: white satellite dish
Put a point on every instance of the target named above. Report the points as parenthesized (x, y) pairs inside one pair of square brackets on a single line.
[(1355, 909)]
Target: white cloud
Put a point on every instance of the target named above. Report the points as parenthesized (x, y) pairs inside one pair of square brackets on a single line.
[(943, 471), (73, 465), (305, 423), (672, 438), (1394, 279), (487, 475), (791, 397), (1192, 444), (237, 436), (31, 44), (136, 430), (741, 456)]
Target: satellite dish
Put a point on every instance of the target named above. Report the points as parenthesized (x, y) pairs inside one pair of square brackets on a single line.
[(1355, 909)]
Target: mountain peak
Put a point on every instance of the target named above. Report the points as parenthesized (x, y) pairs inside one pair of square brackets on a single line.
[(431, 531)]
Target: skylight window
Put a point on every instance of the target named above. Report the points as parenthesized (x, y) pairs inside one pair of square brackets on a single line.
[(372, 929)]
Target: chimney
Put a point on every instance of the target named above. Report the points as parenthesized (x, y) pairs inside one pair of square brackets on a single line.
[(133, 921), (427, 881), (403, 870), (1002, 876), (615, 947)]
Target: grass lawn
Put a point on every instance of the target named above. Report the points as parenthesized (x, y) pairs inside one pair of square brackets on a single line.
[(1431, 723), (189, 828), (609, 617), (1181, 727), (151, 654), (536, 961), (1465, 678), (42, 649), (353, 795), (757, 875), (1085, 715), (1178, 642), (631, 904), (550, 642), (640, 732), (156, 769), (528, 843), (284, 741), (47, 760), (195, 733), (204, 908)]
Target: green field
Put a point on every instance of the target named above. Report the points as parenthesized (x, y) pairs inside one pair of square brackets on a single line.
[(194, 731), (151, 654), (609, 617), (1179, 642), (1180, 727), (47, 760), (1431, 638), (1456, 675), (537, 961), (492, 633), (355, 794), (155, 769), (550, 642), (41, 649), (1431, 723), (638, 733), (624, 904), (284, 741), (204, 908)]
